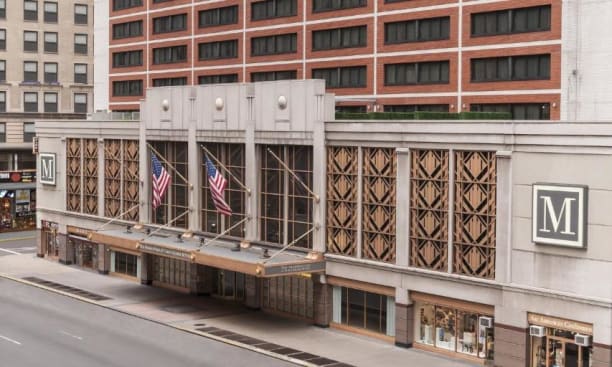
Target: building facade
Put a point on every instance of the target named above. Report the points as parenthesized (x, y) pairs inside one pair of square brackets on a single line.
[(485, 241)]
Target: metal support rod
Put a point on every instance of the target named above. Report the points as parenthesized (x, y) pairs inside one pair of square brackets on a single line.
[(115, 218), (228, 230), (316, 197), (170, 166), (229, 173), (167, 224), (290, 244)]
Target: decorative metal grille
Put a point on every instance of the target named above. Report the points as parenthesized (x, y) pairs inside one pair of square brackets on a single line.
[(73, 175), (112, 178), (289, 294), (130, 179), (90, 164)]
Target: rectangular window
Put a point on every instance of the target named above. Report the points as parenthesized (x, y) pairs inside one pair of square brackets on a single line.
[(522, 20), (127, 88), (432, 72), (30, 71), (419, 30), (2, 132), (50, 72), (265, 76), (126, 264), (80, 103), (50, 14), (127, 59), (274, 45), (3, 70), (530, 67), (218, 79), (125, 4), (218, 50), (169, 82), (364, 310), (50, 42), (50, 102), (2, 39), (330, 5), (80, 13), (2, 9), (28, 132), (30, 10), (169, 55), (80, 44), (342, 77), (339, 38), (30, 41), (3, 101), (273, 9), (519, 111), (30, 102), (80, 73), (127, 30), (218, 16), (170, 23)]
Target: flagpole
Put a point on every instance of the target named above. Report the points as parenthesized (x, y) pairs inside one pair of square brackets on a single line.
[(289, 245), (229, 173), (316, 197), (170, 165), (228, 230)]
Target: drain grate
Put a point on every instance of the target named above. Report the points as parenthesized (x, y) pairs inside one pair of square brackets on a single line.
[(67, 289)]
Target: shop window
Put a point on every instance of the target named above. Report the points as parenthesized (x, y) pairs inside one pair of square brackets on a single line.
[(218, 16), (364, 310), (125, 264)]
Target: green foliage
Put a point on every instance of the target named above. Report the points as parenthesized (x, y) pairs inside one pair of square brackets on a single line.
[(423, 115)]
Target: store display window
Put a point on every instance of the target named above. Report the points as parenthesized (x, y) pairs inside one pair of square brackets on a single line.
[(364, 310), (558, 348)]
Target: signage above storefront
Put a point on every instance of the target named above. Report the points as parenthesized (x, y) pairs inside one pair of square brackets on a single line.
[(17, 176), (47, 168), (296, 268), (560, 215), (164, 251), (561, 324)]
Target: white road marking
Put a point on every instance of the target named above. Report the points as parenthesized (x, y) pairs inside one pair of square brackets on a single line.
[(10, 252), (9, 340), (71, 335), (31, 248)]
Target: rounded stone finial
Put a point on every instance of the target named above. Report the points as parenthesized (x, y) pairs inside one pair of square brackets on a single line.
[(219, 103), (282, 102), (165, 105)]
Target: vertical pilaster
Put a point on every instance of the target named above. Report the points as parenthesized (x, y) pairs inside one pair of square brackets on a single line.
[(402, 208), (503, 244), (323, 301), (40, 241), (360, 203), (451, 208), (144, 171), (66, 250), (193, 164), (511, 346), (404, 319), (103, 265), (602, 355), (250, 152), (146, 269), (319, 176), (252, 292), (101, 170)]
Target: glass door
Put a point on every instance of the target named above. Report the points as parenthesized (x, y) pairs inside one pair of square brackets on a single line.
[(555, 352)]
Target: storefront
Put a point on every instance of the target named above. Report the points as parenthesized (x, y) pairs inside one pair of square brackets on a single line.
[(85, 251), (17, 201), (559, 342), (125, 264), (50, 239)]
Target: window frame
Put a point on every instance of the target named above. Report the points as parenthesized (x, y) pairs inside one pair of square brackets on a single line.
[(50, 107), (276, 42), (79, 18), (334, 39), (30, 14), (272, 10), (31, 106), (223, 49), (50, 17), (127, 55), (337, 74), (216, 13), (47, 75), (165, 24), (3, 39), (169, 55), (127, 29), (30, 76), (480, 21), (30, 46), (81, 48), (50, 47), (80, 107), (28, 136), (3, 103), (80, 78), (125, 4)]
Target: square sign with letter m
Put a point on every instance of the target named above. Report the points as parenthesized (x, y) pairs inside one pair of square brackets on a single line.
[(47, 168), (560, 215)]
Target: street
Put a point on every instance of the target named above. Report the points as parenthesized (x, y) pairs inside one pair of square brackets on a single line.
[(17, 243)]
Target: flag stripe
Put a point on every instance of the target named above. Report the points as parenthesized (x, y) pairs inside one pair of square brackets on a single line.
[(217, 183), (161, 181)]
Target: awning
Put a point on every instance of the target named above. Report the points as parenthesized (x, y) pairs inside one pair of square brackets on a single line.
[(121, 238)]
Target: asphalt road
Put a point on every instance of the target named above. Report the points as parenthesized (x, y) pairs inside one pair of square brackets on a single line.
[(17, 243), (40, 328)]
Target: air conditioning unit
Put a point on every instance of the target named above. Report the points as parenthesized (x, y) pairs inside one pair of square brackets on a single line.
[(538, 331), (486, 322), (583, 340)]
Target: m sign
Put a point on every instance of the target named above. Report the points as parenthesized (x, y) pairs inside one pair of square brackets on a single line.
[(47, 168), (560, 215)]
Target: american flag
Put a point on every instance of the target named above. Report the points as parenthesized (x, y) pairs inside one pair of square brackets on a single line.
[(161, 180), (217, 186)]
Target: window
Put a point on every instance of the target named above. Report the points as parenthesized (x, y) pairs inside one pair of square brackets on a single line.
[(125, 4), (218, 16), (218, 50), (531, 67), (50, 72), (273, 9), (30, 10), (127, 30), (274, 45), (50, 102), (30, 102), (532, 19), (125, 264), (418, 30), (3, 101), (127, 88), (417, 108), (2, 132), (80, 103), (80, 73), (265, 76), (30, 71), (169, 82), (50, 14), (519, 111), (127, 59), (2, 39), (329, 5), (80, 14), (216, 79), (3, 9), (28, 132), (30, 41), (340, 38), (170, 23), (80, 44), (50, 42), (2, 70), (169, 55), (432, 72), (343, 77), (361, 309)]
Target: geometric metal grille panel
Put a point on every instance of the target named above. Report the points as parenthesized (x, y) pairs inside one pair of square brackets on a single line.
[(475, 207), (130, 179), (379, 201), (112, 178), (429, 209), (73, 175), (90, 176), (342, 176)]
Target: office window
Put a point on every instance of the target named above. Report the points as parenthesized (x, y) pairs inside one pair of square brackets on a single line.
[(30, 71), (3, 70), (50, 102), (127, 59), (125, 4), (431, 72), (329, 39), (28, 132), (218, 50), (419, 30), (80, 13), (169, 55), (30, 10), (2, 9), (265, 76), (169, 82), (127, 88), (273, 9), (532, 19), (50, 72), (329, 5), (519, 111), (50, 42), (218, 16), (80, 44), (170, 23), (50, 14), (3, 136), (3, 101), (30, 41), (80, 103), (80, 73), (30, 102), (342, 77), (2, 39), (219, 78), (530, 67), (274, 45), (127, 30)]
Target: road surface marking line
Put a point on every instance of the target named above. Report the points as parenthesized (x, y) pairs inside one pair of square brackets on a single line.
[(71, 335), (9, 340), (16, 239), (11, 252)]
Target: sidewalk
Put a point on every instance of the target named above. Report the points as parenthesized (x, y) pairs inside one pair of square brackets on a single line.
[(221, 320)]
